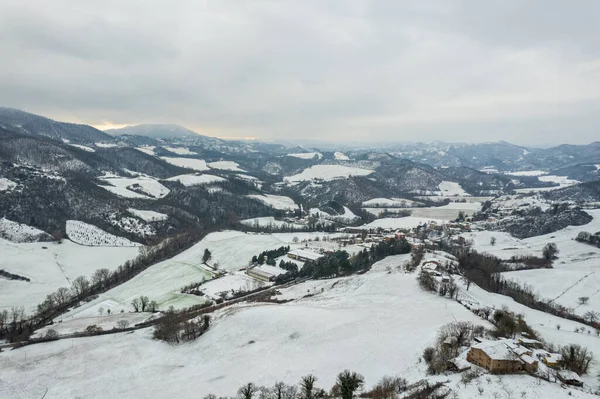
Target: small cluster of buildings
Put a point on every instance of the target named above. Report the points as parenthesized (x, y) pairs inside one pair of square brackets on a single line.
[(507, 356)]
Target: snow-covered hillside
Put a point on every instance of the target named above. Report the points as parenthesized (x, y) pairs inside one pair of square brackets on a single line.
[(147, 149), (135, 187), (390, 203), (179, 150), (327, 173), (226, 165), (50, 266), (87, 234), (306, 155), (366, 315), (276, 201), (83, 147), (340, 156), (148, 216), (189, 163), (19, 232), (197, 179)]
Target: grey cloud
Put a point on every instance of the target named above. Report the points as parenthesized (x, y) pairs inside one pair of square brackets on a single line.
[(385, 70)]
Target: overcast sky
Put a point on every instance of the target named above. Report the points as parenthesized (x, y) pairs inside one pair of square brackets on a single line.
[(386, 70)]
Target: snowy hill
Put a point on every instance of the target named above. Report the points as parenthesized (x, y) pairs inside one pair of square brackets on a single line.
[(19, 232), (87, 234)]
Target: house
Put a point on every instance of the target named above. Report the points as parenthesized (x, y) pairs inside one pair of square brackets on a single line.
[(303, 255), (264, 273), (529, 363), (552, 360), (459, 364), (530, 343), (495, 356), (570, 378)]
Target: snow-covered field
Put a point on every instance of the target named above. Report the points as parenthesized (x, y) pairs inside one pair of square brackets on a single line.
[(533, 173), (50, 266), (562, 181), (148, 216), (106, 145), (576, 272), (390, 203), (19, 232), (446, 189), (197, 179), (270, 221), (226, 165), (327, 173), (147, 149), (306, 155), (276, 201), (355, 323), (407, 222), (179, 150), (87, 234), (446, 212), (189, 163), (135, 187)]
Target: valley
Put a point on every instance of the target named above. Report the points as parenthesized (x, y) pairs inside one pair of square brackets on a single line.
[(311, 261)]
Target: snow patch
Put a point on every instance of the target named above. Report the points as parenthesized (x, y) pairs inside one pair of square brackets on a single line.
[(148, 216), (276, 201), (135, 187), (180, 150), (226, 165), (327, 173), (189, 163), (83, 147), (197, 180), (306, 155), (106, 145), (19, 232), (340, 156), (6, 185), (147, 149)]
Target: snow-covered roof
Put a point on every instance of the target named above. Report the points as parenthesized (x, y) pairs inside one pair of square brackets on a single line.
[(461, 364), (524, 340), (305, 254), (497, 350), (528, 359), (270, 270), (569, 375)]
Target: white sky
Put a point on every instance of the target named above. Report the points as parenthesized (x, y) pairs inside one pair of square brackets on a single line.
[(388, 70)]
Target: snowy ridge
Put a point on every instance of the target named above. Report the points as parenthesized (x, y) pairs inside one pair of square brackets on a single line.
[(179, 150), (87, 234), (306, 155)]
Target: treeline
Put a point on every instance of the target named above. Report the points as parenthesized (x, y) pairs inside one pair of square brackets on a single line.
[(173, 328), (340, 264), (485, 271), (269, 256), (101, 281), (12, 276), (588, 238)]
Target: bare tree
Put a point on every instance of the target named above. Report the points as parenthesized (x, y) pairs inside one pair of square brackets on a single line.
[(3, 318), (206, 256), (81, 286), (583, 300), (348, 383), (100, 310), (247, 391), (144, 301), (591, 316), (122, 324), (550, 251), (153, 306), (62, 295), (493, 241), (136, 304), (307, 386), (100, 277), (52, 334)]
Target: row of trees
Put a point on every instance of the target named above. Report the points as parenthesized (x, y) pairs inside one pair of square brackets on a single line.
[(348, 385), (588, 238), (269, 256), (143, 304)]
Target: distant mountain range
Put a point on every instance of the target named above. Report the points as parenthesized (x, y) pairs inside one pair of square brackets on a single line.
[(154, 131)]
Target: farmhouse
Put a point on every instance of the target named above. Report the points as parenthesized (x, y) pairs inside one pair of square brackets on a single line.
[(552, 359), (303, 255), (500, 357), (570, 378), (264, 273)]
